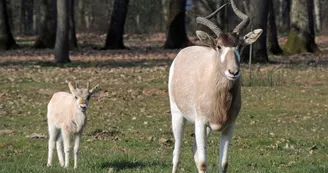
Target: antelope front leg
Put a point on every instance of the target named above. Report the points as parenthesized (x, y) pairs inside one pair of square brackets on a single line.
[(59, 145), (178, 123), (76, 148), (66, 139), (224, 145), (194, 147), (53, 132), (200, 151)]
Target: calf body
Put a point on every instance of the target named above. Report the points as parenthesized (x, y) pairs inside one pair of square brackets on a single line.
[(67, 115)]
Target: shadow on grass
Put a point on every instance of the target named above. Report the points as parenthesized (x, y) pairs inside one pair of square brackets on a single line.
[(145, 63), (120, 165), (90, 58)]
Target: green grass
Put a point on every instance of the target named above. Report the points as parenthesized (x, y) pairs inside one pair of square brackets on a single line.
[(284, 114)]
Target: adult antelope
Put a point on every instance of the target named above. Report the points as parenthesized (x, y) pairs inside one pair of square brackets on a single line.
[(204, 88)]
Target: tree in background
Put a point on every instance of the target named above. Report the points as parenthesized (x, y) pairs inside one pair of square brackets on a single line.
[(62, 38), (80, 14), (317, 14), (6, 38), (301, 35), (273, 45), (284, 15), (47, 36), (205, 7), (26, 15), (72, 30), (176, 36), (114, 39), (258, 13), (146, 17)]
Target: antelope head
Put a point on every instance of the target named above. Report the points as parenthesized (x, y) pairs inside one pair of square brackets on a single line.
[(227, 45), (82, 95)]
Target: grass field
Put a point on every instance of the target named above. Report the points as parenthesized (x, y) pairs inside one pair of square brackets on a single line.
[(282, 126)]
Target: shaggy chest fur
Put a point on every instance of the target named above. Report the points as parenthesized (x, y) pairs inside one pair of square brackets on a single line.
[(78, 122), (221, 113), (220, 104)]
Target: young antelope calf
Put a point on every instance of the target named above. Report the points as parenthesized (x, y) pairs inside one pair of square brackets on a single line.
[(67, 114)]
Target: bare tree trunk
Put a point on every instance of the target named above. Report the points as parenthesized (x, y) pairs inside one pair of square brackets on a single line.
[(176, 30), (165, 10), (26, 25), (317, 13), (87, 15), (259, 10), (22, 16), (81, 15), (29, 18), (222, 17), (114, 39), (62, 40), (72, 31), (37, 15), (206, 7), (285, 15), (10, 6), (47, 35), (301, 36), (93, 16), (273, 44), (6, 38), (279, 15)]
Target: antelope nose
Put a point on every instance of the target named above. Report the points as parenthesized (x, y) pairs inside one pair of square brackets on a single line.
[(83, 106), (233, 72)]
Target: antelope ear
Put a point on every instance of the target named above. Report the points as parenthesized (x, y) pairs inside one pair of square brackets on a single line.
[(251, 37), (206, 39), (94, 89), (71, 88)]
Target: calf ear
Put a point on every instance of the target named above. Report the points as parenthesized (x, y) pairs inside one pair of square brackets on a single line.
[(71, 88), (206, 39), (251, 37), (94, 89)]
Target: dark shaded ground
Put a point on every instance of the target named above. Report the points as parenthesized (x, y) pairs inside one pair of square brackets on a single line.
[(144, 50)]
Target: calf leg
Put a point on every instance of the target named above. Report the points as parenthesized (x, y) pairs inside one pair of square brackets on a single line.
[(66, 139), (76, 148), (53, 132), (59, 145)]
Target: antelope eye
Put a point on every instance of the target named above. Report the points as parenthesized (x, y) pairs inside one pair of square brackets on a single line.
[(76, 97), (219, 48)]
